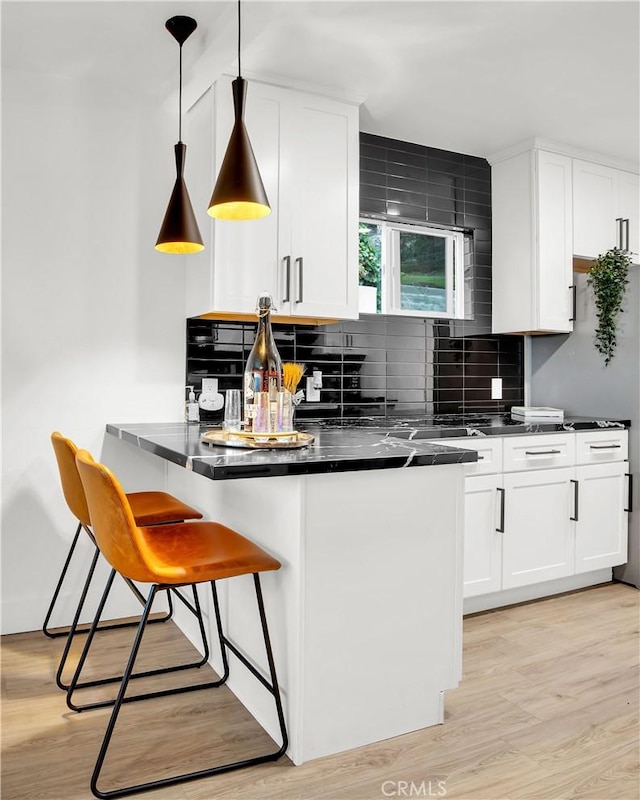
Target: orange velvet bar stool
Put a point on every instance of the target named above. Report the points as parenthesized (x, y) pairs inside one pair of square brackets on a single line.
[(165, 557), (148, 508)]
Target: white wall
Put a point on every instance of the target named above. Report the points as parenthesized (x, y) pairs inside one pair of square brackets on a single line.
[(92, 316)]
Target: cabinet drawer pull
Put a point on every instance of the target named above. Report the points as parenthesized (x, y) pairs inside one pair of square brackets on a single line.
[(619, 226), (299, 262), (287, 278), (575, 501), (605, 446), (542, 452), (500, 528), (630, 500), (480, 458), (574, 290)]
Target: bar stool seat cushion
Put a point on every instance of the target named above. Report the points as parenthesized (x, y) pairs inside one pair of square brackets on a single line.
[(157, 508), (192, 552)]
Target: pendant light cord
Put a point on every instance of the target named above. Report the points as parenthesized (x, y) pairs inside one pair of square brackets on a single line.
[(239, 70), (180, 100)]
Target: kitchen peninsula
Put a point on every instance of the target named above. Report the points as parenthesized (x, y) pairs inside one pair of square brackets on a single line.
[(366, 613)]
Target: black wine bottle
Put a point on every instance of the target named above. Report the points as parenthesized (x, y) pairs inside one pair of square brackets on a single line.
[(263, 371)]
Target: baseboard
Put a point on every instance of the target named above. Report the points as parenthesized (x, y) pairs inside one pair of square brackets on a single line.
[(521, 594)]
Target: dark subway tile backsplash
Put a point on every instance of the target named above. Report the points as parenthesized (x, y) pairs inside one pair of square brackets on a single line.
[(381, 366), (394, 367)]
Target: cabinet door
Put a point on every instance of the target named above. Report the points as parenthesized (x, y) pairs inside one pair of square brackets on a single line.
[(247, 259), (538, 535), (554, 262), (595, 209), (482, 541), (532, 243), (628, 209), (601, 529), (324, 245)]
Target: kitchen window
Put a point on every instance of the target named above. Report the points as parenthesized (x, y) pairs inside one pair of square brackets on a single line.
[(416, 270)]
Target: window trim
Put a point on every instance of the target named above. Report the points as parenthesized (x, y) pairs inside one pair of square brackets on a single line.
[(390, 268)]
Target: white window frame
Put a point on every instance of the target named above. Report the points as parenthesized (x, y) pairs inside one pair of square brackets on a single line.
[(390, 268)]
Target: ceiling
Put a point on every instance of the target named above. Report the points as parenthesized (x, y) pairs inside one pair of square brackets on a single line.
[(474, 77)]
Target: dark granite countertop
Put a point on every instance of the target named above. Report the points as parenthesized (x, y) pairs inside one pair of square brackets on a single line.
[(335, 449), (358, 444), (460, 425)]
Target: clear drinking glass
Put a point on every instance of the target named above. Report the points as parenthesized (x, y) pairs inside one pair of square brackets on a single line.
[(284, 413), (233, 410)]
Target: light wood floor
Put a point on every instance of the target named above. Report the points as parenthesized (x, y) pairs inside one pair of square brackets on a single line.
[(548, 708)]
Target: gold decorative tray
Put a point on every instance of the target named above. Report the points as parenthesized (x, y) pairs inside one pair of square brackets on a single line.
[(257, 441)]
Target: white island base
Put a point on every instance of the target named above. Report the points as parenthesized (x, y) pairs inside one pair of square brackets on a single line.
[(366, 612)]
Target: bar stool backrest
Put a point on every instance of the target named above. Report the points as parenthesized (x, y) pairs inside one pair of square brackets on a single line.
[(114, 526), (72, 488)]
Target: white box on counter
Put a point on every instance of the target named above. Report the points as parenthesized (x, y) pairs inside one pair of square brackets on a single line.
[(537, 413)]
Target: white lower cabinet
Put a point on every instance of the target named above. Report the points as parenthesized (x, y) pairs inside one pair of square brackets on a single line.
[(601, 526), (538, 530), (543, 507), (482, 539)]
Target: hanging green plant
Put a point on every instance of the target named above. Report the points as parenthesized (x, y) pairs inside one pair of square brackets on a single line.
[(608, 279)]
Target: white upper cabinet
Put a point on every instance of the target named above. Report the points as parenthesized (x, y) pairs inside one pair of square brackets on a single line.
[(532, 252), (550, 205), (305, 253), (629, 211), (605, 209)]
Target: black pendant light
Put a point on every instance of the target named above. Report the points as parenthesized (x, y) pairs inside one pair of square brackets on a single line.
[(239, 192), (179, 232)]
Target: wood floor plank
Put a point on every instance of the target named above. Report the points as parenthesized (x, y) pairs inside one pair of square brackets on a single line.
[(547, 710)]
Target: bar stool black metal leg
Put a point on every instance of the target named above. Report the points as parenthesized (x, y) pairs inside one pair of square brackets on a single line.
[(74, 624), (115, 626), (272, 669), (203, 633), (221, 639), (76, 684), (189, 776), (121, 693), (56, 592), (89, 640), (74, 631), (105, 627)]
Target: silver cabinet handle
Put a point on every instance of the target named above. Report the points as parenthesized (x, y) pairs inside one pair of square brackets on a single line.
[(287, 280), (300, 265), (604, 446), (500, 528), (619, 237), (542, 452), (575, 501)]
